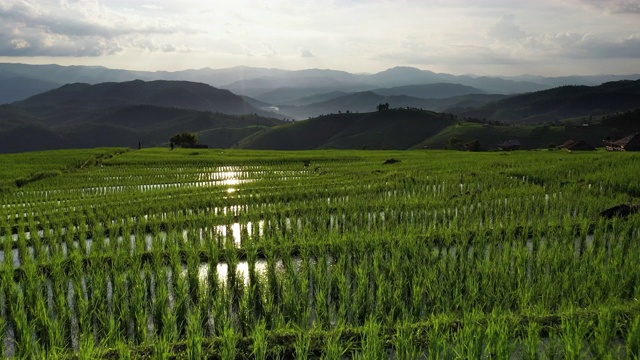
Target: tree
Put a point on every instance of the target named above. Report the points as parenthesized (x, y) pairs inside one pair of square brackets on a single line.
[(454, 143), (473, 145), (382, 107), (184, 138)]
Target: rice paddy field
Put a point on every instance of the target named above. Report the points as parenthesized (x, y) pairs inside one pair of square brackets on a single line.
[(159, 254)]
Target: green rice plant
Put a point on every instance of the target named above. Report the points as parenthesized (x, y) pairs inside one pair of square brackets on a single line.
[(88, 348), (124, 352), (195, 336), (23, 328), (405, 346), (260, 345), (469, 340), (633, 339), (603, 334), (302, 345), (334, 348), (373, 343), (161, 349), (498, 338), (121, 309), (532, 341), (3, 327), (229, 343), (574, 334), (160, 304), (169, 325), (181, 300)]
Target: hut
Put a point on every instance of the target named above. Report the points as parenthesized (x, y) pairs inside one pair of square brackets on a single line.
[(627, 143), (579, 145), (509, 145)]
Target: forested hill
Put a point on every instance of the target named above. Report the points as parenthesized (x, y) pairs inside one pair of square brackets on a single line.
[(178, 94), (390, 129), (561, 103), (29, 129)]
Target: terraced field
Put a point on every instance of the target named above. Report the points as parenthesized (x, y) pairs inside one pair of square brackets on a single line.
[(320, 254)]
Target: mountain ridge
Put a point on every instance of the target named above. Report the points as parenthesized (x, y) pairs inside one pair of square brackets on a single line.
[(350, 82)]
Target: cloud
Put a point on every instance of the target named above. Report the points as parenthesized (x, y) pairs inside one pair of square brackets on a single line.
[(506, 29), (616, 6), (442, 35), (593, 47), (306, 53), (152, 7), (62, 28)]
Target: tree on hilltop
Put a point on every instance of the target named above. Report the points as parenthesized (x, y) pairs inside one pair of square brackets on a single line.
[(184, 138), (383, 107)]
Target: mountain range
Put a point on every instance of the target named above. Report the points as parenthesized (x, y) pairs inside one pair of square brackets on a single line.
[(128, 112), (276, 86)]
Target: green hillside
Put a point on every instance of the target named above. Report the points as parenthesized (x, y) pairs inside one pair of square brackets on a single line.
[(42, 128), (562, 102), (530, 136), (392, 129)]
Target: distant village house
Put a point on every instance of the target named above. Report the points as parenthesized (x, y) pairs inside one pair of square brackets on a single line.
[(509, 145), (579, 145), (628, 143)]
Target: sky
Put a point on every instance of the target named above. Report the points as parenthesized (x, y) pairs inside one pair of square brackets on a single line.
[(482, 37)]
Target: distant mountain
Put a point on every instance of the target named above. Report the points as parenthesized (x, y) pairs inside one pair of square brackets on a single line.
[(430, 91), (20, 87), (283, 91), (589, 80), (283, 87), (356, 102), (392, 129), (459, 104), (306, 100), (178, 94), (402, 75), (561, 103), (69, 74), (367, 101)]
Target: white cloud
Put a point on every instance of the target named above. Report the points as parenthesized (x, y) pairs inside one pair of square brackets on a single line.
[(506, 29), (152, 7)]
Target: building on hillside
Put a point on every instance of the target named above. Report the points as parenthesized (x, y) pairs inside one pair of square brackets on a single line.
[(579, 145), (509, 145), (628, 143)]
